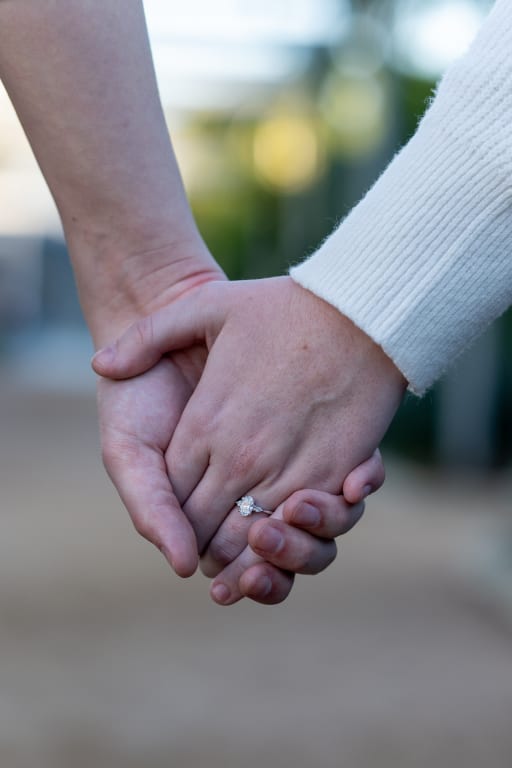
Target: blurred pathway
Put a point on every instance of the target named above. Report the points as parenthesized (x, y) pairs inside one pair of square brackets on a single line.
[(399, 656)]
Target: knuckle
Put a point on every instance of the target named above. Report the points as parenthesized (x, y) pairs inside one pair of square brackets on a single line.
[(144, 528), (191, 429), (292, 503), (243, 461), (247, 462), (143, 331)]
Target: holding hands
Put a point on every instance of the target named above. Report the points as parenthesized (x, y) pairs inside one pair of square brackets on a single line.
[(223, 389), (254, 388), (285, 393)]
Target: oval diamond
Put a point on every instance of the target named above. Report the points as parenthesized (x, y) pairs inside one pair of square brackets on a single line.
[(245, 505)]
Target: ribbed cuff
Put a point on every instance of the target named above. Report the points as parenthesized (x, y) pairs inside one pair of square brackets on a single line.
[(423, 264)]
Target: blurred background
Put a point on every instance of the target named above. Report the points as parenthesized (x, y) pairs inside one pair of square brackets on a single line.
[(282, 115)]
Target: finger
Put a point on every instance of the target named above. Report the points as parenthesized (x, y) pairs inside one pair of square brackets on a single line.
[(285, 545), (323, 514), (200, 480), (187, 458), (266, 585), (139, 473), (185, 322), (230, 475), (229, 541), (290, 548), (273, 584), (213, 499), (264, 572), (367, 478)]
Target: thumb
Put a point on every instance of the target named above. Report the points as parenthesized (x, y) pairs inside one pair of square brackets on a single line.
[(192, 319)]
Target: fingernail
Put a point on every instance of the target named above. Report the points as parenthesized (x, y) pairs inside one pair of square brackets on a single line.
[(269, 539), (263, 587), (220, 593), (104, 356), (367, 490), (307, 515)]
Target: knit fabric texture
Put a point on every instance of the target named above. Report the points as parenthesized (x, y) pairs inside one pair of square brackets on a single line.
[(424, 262)]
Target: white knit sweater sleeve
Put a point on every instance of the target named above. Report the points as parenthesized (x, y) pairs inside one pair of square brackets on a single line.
[(424, 262)]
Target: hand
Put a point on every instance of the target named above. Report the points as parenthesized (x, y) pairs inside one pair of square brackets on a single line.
[(292, 395), (297, 538), (137, 419)]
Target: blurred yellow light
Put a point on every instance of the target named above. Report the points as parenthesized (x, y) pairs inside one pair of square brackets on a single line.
[(286, 152), (355, 111)]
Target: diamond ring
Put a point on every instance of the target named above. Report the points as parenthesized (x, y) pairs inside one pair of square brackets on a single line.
[(247, 506)]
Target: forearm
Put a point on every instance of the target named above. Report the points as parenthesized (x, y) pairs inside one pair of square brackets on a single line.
[(423, 263), (81, 78)]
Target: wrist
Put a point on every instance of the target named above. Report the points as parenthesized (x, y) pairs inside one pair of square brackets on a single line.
[(123, 278), (366, 354)]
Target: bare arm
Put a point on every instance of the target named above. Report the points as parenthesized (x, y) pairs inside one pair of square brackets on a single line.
[(81, 78), (80, 75)]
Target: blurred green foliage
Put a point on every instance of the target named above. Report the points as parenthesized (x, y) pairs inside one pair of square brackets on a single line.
[(255, 230)]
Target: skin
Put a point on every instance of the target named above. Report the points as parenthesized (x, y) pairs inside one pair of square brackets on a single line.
[(80, 76), (283, 540), (137, 420), (307, 397), (288, 548)]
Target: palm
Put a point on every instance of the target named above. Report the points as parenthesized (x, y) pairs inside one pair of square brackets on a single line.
[(137, 420)]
